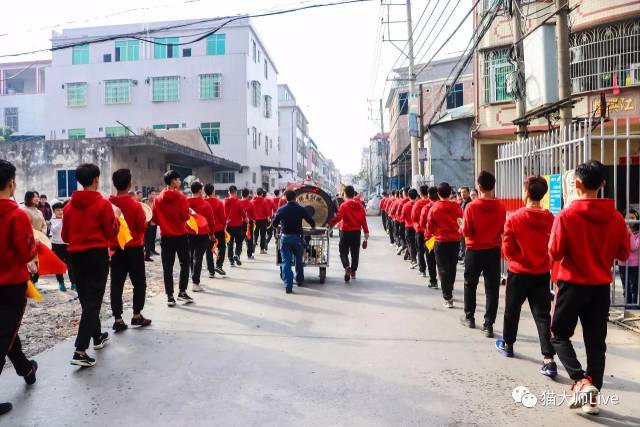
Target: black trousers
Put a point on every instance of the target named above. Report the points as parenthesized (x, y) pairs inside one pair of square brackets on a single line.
[(237, 237), (269, 234), (446, 254), (421, 252), (410, 237), (13, 301), (590, 304), (261, 233), (350, 244), (535, 288), (198, 245), (401, 234), (128, 261), (383, 218), (391, 230), (61, 252), (172, 246), (487, 263), (150, 239), (91, 269), (251, 243), (432, 266), (222, 250)]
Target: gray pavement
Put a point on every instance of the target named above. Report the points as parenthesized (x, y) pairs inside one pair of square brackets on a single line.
[(379, 351)]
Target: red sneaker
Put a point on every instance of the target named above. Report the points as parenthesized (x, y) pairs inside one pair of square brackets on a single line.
[(584, 392)]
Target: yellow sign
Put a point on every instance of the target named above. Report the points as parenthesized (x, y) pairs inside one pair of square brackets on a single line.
[(546, 199)]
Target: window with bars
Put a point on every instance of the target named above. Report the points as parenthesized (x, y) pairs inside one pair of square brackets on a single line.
[(11, 118), (403, 103), (254, 51), (495, 69), (165, 89), (127, 50), (256, 93), (166, 47), (216, 44), (605, 57), (77, 133), (117, 91), (210, 86), (76, 94), (266, 69), (267, 106), (455, 97), (211, 132), (224, 177), (80, 54), (115, 131), (254, 134)]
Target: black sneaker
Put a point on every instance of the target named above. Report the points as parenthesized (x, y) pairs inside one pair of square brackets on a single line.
[(347, 274), (30, 378), (119, 326), (469, 323), (171, 302), (237, 260), (549, 369), (289, 290), (220, 271), (83, 360), (101, 341), (140, 321), (5, 407), (182, 296), (488, 331), (212, 275)]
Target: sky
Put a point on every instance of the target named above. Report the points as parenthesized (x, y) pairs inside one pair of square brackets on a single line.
[(332, 58)]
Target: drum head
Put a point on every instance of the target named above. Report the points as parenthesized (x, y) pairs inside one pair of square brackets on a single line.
[(316, 202), (147, 211), (42, 238)]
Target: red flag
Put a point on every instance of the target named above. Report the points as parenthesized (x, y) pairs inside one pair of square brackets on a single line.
[(214, 249), (248, 233), (200, 220), (616, 87), (49, 263)]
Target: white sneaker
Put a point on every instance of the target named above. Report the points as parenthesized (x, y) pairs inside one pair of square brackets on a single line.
[(448, 303), (590, 409), (197, 288)]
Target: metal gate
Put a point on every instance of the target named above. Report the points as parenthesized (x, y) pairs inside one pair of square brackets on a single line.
[(556, 155)]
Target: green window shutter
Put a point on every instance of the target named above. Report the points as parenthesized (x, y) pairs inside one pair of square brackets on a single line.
[(211, 132), (80, 54), (115, 131), (117, 91), (166, 47), (210, 86), (216, 44), (165, 89), (127, 50), (76, 94), (78, 133)]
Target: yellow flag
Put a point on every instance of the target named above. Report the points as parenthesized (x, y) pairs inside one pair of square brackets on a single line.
[(431, 243), (124, 235), (32, 292), (227, 236), (192, 224)]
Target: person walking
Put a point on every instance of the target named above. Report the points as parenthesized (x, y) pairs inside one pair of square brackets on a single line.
[(171, 212), (483, 226), (200, 241), (628, 269), (89, 226), (262, 211), (353, 218), (130, 259), (235, 217), (59, 247), (383, 210), (17, 249), (219, 227), (390, 224), (418, 206), (31, 203), (152, 230), (465, 199), (524, 245), (249, 222), (443, 224), (430, 254), (290, 217), (586, 237), (409, 230)]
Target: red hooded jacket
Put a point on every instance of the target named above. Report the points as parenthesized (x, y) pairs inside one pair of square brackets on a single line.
[(353, 216), (526, 240), (17, 245), (88, 222), (201, 207), (424, 216), (405, 216), (415, 214), (399, 206), (383, 204), (219, 218), (135, 218), (484, 223), (249, 213), (442, 221), (171, 213), (261, 208), (586, 238), (234, 210)]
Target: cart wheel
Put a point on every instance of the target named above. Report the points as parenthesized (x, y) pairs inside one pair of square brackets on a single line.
[(323, 274)]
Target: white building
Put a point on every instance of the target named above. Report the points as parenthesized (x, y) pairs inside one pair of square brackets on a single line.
[(293, 137), (111, 84)]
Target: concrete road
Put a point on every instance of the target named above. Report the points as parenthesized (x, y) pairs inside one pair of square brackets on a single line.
[(379, 351)]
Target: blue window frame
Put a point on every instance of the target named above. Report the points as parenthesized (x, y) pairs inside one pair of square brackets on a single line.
[(80, 54), (455, 97), (166, 47), (403, 103), (216, 44), (67, 182)]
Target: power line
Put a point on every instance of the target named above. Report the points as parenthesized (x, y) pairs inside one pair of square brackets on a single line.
[(138, 34), (439, 32)]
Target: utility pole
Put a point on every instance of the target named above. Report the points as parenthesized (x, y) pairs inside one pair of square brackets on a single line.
[(415, 163), (385, 159), (516, 22), (562, 45)]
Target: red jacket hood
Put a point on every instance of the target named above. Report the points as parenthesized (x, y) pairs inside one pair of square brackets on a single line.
[(536, 219), (123, 201), (7, 206), (134, 216), (596, 211), (487, 205), (169, 196), (83, 199)]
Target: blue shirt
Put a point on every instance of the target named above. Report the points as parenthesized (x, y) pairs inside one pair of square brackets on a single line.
[(291, 216)]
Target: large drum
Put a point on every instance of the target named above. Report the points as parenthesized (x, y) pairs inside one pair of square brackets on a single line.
[(316, 201)]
